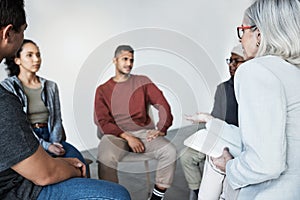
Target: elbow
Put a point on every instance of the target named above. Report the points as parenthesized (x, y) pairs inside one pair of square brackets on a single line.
[(41, 182), (44, 180), (273, 171), (276, 173)]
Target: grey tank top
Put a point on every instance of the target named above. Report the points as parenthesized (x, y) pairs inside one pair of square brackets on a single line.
[(37, 111)]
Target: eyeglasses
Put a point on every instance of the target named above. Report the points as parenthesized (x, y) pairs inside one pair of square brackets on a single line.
[(233, 61), (241, 29)]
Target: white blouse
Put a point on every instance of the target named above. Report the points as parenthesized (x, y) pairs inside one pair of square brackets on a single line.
[(268, 93)]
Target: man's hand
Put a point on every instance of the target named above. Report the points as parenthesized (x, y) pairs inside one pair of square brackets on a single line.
[(221, 161), (42, 169), (57, 149), (199, 117), (152, 134), (134, 143), (77, 164)]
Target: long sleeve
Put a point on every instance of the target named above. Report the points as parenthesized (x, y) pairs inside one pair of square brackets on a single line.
[(158, 100), (124, 106), (219, 109), (57, 130), (262, 118), (221, 135), (102, 116), (225, 105), (43, 143), (50, 97)]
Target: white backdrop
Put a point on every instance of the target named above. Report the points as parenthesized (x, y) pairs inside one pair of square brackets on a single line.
[(180, 45)]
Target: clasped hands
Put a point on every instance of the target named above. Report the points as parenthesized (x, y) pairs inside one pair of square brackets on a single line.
[(57, 149), (221, 161)]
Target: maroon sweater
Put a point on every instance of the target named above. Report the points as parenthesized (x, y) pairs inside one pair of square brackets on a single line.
[(123, 106)]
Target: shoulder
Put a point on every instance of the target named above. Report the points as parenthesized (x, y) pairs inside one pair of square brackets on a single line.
[(5, 95), (10, 81), (47, 82), (258, 74), (49, 85), (141, 79), (12, 84), (8, 101), (261, 64), (108, 85), (223, 85), (257, 68)]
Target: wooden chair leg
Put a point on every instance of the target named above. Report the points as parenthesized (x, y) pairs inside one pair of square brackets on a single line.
[(88, 162)]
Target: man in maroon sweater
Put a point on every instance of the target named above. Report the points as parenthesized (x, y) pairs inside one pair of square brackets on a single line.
[(121, 113)]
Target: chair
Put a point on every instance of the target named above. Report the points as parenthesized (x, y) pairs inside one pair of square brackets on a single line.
[(152, 112), (88, 162)]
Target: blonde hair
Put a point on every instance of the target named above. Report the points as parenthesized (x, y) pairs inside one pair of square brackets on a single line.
[(279, 24)]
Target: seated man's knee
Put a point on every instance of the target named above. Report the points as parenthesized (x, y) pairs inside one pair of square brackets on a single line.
[(170, 152), (189, 155), (111, 147), (185, 157)]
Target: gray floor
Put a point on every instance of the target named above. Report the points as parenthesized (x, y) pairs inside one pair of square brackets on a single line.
[(131, 177)]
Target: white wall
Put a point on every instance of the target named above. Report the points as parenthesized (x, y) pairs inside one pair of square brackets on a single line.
[(181, 46)]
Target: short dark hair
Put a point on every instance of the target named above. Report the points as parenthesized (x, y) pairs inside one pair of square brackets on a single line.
[(121, 48), (12, 12), (11, 67)]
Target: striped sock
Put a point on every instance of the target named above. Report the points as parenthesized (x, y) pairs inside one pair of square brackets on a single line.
[(157, 194)]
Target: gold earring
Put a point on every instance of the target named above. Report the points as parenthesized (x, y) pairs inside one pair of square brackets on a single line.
[(257, 43)]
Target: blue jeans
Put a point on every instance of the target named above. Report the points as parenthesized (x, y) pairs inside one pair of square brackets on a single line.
[(71, 151), (84, 188)]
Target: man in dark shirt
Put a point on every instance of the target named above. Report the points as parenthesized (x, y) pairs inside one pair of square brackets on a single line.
[(26, 170), (225, 108)]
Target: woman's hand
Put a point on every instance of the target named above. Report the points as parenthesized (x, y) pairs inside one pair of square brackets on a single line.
[(57, 149), (221, 161), (199, 117)]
